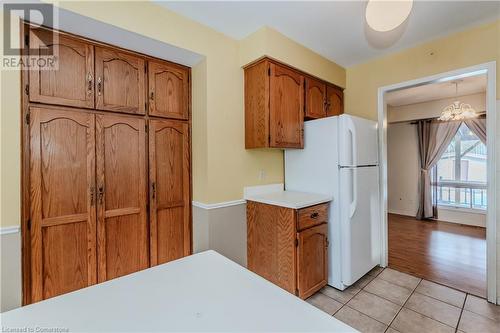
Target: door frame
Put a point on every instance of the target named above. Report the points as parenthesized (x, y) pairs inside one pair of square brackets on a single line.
[(488, 69)]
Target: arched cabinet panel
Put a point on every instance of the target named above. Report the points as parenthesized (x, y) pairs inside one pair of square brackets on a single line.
[(62, 213), (169, 170), (70, 82), (119, 82), (122, 226), (168, 90)]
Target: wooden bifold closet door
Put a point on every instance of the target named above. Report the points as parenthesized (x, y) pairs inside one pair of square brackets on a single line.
[(62, 173), (122, 227), (169, 170)]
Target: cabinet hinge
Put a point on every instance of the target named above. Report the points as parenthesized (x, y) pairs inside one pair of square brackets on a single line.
[(26, 40), (296, 242), (28, 224), (27, 118), (147, 128), (27, 89), (269, 72)]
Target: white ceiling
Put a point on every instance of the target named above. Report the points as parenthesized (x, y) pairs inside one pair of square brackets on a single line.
[(435, 91), (336, 29)]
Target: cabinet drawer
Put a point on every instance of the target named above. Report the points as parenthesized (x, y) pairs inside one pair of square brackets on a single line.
[(311, 216)]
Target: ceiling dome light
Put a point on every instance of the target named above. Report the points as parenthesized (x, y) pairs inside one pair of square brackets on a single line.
[(386, 15)]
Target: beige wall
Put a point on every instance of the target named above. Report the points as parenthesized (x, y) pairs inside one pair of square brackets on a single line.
[(432, 109), (467, 48)]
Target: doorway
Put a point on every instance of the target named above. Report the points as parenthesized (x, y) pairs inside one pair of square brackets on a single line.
[(447, 187)]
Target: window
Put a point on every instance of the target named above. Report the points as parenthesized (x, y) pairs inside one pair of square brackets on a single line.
[(461, 172)]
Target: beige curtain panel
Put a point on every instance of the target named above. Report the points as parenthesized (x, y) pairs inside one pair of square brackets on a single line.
[(478, 127), (433, 139)]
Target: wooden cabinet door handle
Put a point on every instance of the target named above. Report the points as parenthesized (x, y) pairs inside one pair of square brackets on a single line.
[(99, 86), (92, 196), (101, 194), (89, 79)]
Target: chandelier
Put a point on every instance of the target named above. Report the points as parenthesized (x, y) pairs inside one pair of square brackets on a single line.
[(457, 110)]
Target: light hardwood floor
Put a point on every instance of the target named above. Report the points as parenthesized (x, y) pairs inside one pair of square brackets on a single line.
[(450, 254)]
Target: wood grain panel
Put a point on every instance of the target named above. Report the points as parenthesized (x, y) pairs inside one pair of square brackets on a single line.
[(312, 260), (334, 101), (315, 98), (286, 107), (121, 190), (62, 164), (271, 243), (311, 216), (168, 90), (169, 170), (446, 253), (119, 83), (257, 106), (64, 258), (71, 82)]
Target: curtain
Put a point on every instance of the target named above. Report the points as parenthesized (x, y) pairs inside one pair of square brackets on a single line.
[(478, 127), (433, 139)]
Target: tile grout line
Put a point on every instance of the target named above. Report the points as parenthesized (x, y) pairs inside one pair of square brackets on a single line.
[(461, 311), (359, 290), (397, 314)]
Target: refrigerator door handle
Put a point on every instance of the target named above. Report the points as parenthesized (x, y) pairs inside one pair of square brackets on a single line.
[(354, 144), (354, 202)]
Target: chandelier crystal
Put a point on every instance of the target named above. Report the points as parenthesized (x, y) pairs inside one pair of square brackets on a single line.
[(457, 110)]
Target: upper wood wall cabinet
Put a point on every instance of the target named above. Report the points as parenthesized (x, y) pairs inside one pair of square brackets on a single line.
[(168, 90), (279, 98), (315, 98), (72, 83), (334, 101), (274, 106), (119, 82)]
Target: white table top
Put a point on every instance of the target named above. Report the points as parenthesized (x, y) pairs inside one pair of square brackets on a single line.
[(290, 199), (202, 292)]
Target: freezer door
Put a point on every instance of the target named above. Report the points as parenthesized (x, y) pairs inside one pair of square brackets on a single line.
[(358, 141), (360, 222)]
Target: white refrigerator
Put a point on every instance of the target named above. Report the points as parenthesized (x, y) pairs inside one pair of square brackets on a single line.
[(340, 158)]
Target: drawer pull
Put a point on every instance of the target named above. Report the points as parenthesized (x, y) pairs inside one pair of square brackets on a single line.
[(314, 215)]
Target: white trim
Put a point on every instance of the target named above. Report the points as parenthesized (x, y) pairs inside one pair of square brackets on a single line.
[(489, 69), (10, 230), (462, 209), (219, 204)]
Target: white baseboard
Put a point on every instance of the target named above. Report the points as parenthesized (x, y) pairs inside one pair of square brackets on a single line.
[(219, 204), (10, 230)]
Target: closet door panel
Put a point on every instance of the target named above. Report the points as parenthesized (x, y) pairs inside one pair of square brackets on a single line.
[(168, 90), (121, 196), (71, 82), (119, 81), (62, 213), (169, 162)]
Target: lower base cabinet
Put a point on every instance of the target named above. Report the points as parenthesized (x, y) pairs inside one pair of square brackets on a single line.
[(289, 246)]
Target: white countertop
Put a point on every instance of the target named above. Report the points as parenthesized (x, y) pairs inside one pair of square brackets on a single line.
[(202, 292), (290, 199)]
